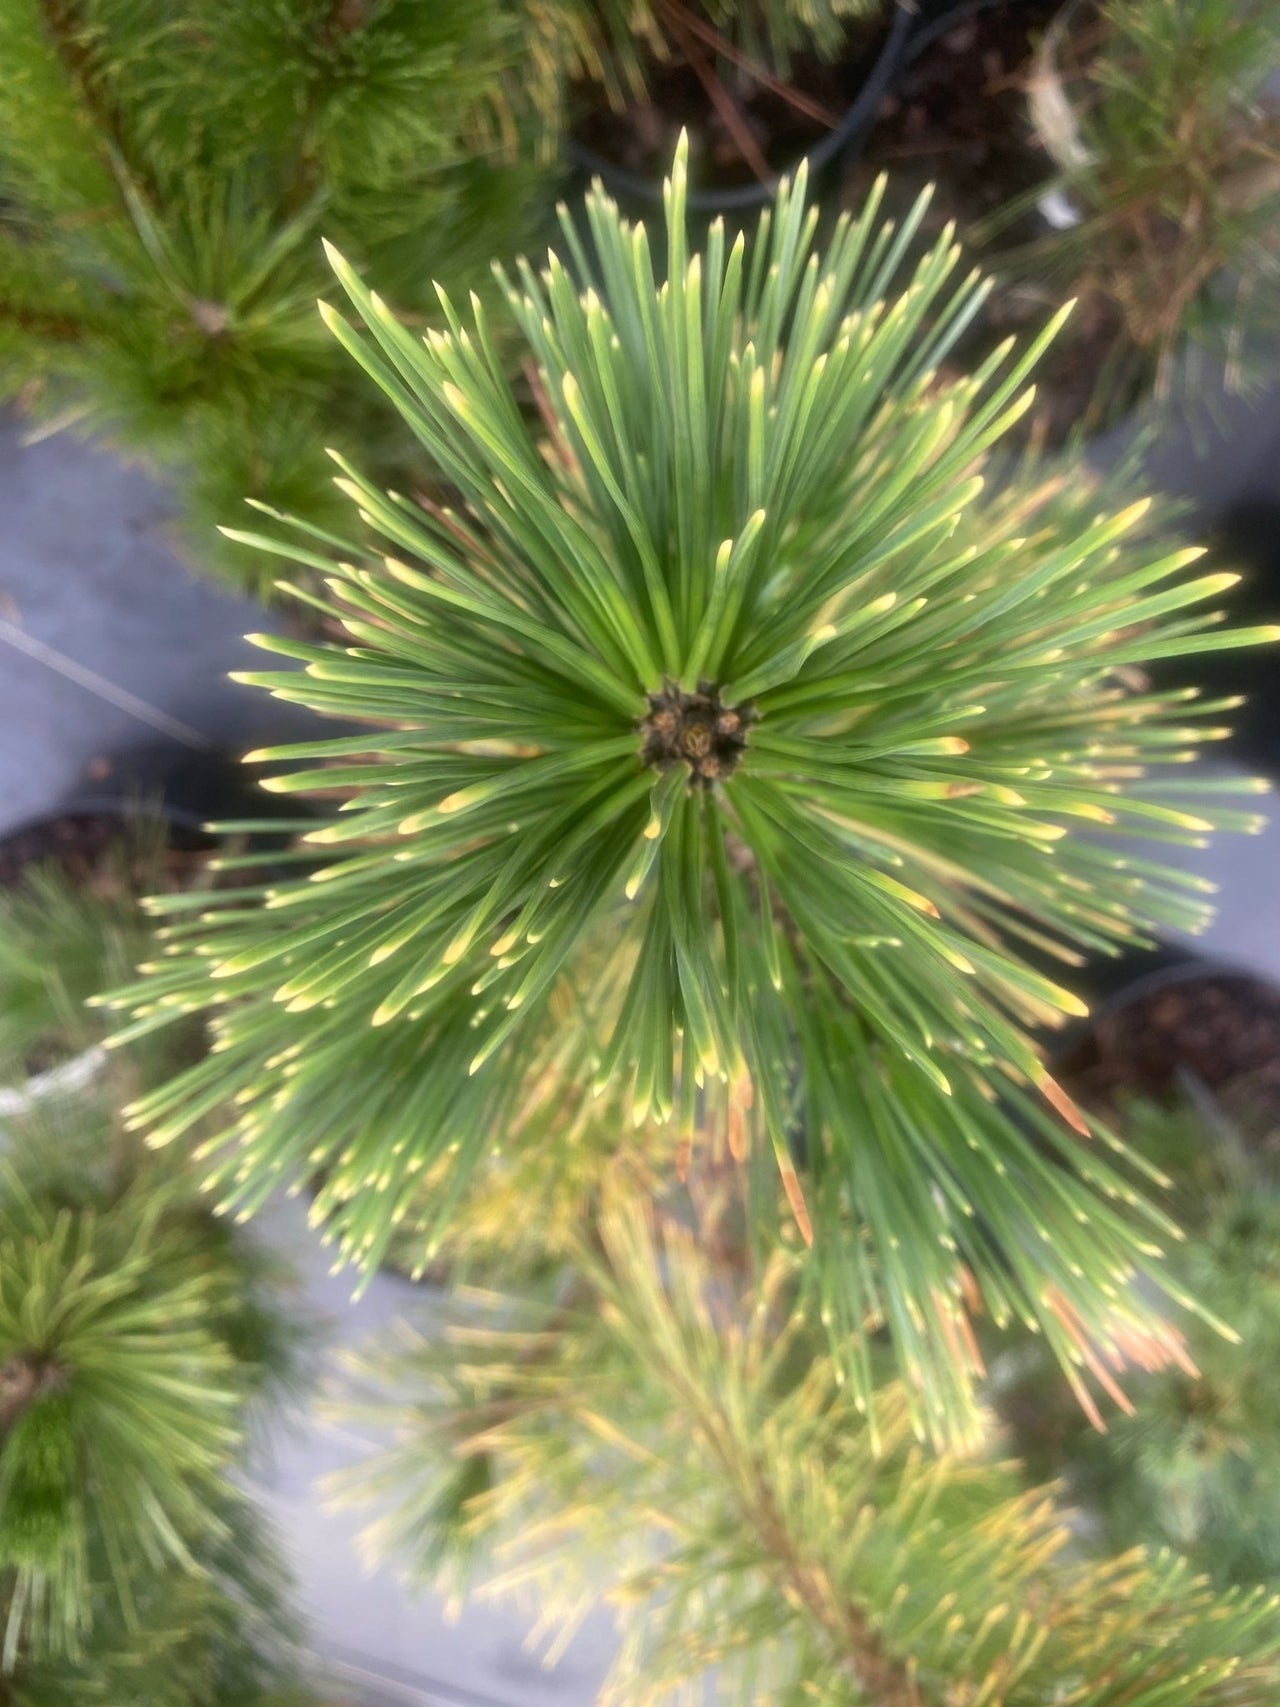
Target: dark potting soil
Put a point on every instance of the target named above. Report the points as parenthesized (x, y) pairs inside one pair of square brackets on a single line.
[(957, 118), (96, 848), (641, 137), (1090, 353), (1221, 1028)]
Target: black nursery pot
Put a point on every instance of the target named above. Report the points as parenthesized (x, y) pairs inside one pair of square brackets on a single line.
[(874, 74), (1246, 538), (180, 791), (1167, 1019), (960, 121)]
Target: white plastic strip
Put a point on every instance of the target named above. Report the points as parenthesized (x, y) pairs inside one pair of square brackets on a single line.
[(62, 1080)]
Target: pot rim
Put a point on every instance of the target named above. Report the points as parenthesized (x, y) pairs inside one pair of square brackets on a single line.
[(621, 181)]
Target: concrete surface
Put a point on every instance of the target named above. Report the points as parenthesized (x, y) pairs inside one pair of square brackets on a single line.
[(107, 641), (385, 1644), (1232, 451)]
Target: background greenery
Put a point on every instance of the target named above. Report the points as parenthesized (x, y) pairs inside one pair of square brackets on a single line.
[(166, 173)]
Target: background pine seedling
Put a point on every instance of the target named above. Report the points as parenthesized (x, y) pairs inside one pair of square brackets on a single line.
[(1166, 137), (165, 174), (617, 43), (64, 938), (222, 1636), (135, 1334), (691, 1455), (1193, 1465), (145, 1346)]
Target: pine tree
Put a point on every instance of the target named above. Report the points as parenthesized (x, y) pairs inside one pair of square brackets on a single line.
[(144, 1346), (218, 1636), (165, 174), (65, 937), (728, 755), (1165, 136), (690, 1454), (139, 1337)]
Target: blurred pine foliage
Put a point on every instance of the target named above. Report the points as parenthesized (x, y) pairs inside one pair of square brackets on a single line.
[(166, 173)]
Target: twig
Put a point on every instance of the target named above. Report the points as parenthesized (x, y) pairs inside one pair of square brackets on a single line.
[(21, 641), (723, 103), (24, 1380), (863, 1655), (884, 1679), (548, 415), (679, 17), (60, 328)]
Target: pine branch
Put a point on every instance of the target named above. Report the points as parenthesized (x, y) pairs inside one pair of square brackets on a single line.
[(66, 28), (686, 1453), (878, 1676)]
